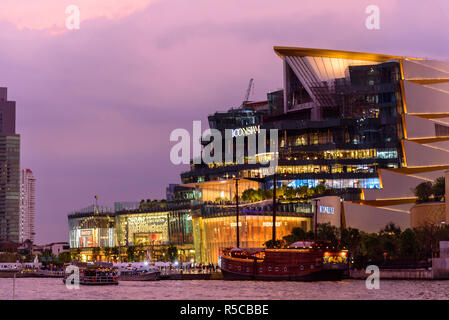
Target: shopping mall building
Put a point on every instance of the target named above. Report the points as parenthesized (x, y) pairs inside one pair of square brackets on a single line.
[(369, 127)]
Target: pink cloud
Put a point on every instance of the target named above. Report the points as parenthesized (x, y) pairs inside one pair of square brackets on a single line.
[(50, 14)]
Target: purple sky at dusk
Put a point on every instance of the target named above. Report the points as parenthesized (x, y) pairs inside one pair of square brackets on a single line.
[(95, 107)]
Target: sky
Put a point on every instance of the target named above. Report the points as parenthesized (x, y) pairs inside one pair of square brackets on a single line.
[(95, 106)]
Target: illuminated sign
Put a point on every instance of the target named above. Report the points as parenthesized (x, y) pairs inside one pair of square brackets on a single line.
[(245, 131), (86, 233), (328, 210), (270, 224)]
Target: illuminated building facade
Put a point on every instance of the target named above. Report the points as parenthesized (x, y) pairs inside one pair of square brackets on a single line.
[(339, 121), (90, 229), (197, 230), (215, 227), (152, 230), (369, 126)]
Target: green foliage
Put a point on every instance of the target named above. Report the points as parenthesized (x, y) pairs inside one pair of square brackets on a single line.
[(425, 190), (389, 244), (390, 229), (298, 234), (328, 232), (115, 253), (75, 253), (270, 244), (130, 253), (152, 204), (284, 193), (408, 244), (438, 189), (172, 253), (47, 257), (107, 253), (64, 257)]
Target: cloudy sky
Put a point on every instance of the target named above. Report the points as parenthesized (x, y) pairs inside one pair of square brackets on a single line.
[(95, 106)]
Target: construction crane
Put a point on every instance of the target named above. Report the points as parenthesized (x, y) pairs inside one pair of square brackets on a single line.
[(248, 91)]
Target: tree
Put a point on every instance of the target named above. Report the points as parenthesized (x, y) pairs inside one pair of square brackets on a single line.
[(391, 229), (172, 253), (75, 253), (423, 191), (320, 189), (302, 191), (107, 253), (408, 244), (350, 238), (328, 232), (270, 244), (115, 252), (297, 234), (130, 253), (64, 257), (372, 247), (439, 188)]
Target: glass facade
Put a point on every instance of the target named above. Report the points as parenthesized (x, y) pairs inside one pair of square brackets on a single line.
[(91, 230), (214, 233), (341, 124), (131, 228)]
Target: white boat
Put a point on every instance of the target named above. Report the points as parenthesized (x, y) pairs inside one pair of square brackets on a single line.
[(137, 271), (8, 269)]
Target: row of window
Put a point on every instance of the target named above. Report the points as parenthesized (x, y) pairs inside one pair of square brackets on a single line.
[(270, 269)]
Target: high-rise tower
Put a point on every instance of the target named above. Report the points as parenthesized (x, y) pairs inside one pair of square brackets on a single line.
[(27, 205), (9, 170)]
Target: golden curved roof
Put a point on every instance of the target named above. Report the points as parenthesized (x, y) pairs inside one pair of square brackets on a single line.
[(340, 54)]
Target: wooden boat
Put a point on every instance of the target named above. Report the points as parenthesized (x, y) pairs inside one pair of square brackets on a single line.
[(316, 261), (296, 264)]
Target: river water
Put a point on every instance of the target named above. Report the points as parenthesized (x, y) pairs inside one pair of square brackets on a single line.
[(29, 288)]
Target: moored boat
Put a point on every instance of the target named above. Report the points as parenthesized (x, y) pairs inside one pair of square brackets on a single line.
[(301, 261), (138, 271), (9, 270), (139, 275), (312, 263), (99, 273)]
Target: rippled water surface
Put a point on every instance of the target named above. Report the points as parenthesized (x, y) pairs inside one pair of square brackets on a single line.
[(219, 289)]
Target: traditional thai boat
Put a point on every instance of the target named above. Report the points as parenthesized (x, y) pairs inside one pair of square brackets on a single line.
[(313, 263), (302, 261)]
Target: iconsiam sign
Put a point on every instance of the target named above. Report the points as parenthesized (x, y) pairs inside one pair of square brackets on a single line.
[(250, 141), (245, 131)]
